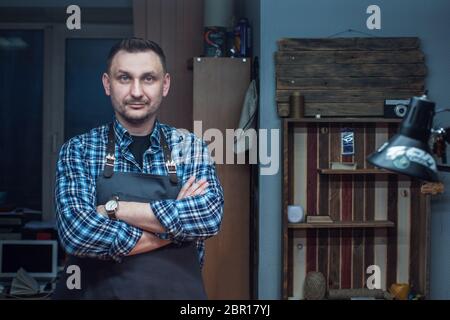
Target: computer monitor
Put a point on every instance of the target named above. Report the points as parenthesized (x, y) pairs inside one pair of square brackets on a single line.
[(37, 257)]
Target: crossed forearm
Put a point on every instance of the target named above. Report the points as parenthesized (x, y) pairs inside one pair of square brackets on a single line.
[(141, 216), (148, 242), (137, 214)]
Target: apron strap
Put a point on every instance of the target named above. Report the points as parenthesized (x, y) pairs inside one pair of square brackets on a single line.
[(170, 164), (110, 158)]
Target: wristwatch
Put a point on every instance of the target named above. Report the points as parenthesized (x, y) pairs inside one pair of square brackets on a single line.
[(111, 207)]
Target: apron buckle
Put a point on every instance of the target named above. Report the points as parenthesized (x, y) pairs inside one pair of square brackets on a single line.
[(110, 160), (111, 157), (171, 167)]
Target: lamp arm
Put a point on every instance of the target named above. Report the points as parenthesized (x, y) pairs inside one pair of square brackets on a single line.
[(443, 132), (443, 168), (442, 110)]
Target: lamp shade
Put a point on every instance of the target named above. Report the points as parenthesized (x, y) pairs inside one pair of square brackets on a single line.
[(408, 151), (407, 156)]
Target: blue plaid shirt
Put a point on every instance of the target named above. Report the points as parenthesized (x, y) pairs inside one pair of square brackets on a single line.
[(84, 232)]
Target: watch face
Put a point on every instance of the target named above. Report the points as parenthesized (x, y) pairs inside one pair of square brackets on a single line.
[(111, 205)]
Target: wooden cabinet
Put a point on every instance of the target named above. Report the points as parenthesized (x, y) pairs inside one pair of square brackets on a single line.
[(380, 218), (220, 85)]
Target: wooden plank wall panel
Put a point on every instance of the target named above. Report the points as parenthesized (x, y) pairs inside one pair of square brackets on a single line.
[(339, 96), (178, 27), (154, 20), (285, 232), (349, 76), (323, 203), (334, 276), (334, 83), (311, 205), (403, 230), (139, 18), (358, 211), (300, 182), (359, 44), (381, 209), (169, 29), (348, 70), (354, 57), (299, 254), (392, 215), (415, 240), (369, 196), (290, 196), (346, 215), (419, 244)]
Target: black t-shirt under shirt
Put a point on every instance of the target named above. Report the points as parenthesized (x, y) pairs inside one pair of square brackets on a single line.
[(138, 147)]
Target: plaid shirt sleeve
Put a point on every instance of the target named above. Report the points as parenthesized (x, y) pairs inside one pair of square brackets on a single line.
[(197, 217), (83, 231)]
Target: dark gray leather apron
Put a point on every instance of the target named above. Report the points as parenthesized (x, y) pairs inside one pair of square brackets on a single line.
[(170, 272)]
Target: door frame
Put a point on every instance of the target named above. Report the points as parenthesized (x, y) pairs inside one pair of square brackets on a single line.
[(55, 37), (46, 100)]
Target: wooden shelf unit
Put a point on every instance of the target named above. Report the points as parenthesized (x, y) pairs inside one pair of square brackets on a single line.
[(343, 250), (346, 81)]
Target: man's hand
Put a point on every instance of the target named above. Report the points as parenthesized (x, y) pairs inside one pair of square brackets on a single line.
[(192, 188)]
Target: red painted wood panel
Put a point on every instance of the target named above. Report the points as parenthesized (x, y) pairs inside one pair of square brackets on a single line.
[(369, 195), (311, 200), (391, 272), (324, 158), (346, 215), (334, 279), (358, 211), (418, 222)]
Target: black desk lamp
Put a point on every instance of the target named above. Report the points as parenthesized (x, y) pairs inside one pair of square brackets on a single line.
[(408, 151)]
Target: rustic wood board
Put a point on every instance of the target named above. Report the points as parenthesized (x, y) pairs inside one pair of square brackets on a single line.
[(349, 76), (346, 57), (351, 44), (354, 96), (331, 82)]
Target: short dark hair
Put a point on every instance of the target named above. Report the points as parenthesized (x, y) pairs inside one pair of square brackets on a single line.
[(133, 45)]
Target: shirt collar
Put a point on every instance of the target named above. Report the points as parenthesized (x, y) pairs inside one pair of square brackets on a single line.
[(123, 137)]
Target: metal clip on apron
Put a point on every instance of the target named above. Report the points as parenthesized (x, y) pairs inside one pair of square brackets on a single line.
[(170, 272)]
